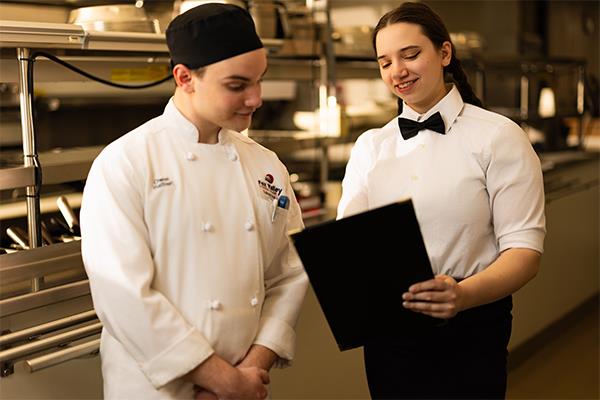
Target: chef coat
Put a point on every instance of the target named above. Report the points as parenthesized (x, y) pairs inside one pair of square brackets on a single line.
[(187, 254), (477, 189)]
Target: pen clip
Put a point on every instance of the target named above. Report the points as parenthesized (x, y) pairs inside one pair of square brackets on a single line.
[(275, 203)]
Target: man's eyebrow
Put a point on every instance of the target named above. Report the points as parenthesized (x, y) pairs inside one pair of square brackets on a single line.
[(238, 77), (411, 47), (243, 78)]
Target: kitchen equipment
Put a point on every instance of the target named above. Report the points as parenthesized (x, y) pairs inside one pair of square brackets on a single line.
[(115, 17), (68, 214), (19, 236), (189, 4), (270, 18)]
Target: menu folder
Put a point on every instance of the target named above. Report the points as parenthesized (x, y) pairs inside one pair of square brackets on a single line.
[(360, 265)]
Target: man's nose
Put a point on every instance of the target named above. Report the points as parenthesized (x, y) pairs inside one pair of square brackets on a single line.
[(254, 98)]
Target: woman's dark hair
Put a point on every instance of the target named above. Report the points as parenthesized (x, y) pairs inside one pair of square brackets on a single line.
[(433, 27)]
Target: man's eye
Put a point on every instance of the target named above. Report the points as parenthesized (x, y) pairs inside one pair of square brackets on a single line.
[(236, 87)]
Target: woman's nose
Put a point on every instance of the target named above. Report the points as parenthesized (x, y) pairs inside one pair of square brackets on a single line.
[(399, 69)]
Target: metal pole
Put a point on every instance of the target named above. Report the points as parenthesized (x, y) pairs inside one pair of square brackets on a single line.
[(29, 155)]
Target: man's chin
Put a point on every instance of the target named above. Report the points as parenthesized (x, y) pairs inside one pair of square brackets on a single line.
[(238, 127)]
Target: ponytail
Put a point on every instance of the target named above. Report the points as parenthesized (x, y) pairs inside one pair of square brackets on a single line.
[(455, 70)]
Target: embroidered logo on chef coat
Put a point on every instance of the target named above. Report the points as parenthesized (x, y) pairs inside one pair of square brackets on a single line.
[(160, 182), (267, 187)]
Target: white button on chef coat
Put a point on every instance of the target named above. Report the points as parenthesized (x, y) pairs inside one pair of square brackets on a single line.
[(207, 227), (233, 156), (190, 156), (254, 301), (214, 304), (249, 226)]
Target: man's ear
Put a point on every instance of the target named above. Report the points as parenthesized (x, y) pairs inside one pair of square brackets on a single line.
[(183, 77)]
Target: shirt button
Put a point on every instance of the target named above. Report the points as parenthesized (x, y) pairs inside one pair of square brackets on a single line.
[(233, 156), (214, 305), (254, 301), (249, 226), (207, 227), (414, 178), (190, 156), (422, 146)]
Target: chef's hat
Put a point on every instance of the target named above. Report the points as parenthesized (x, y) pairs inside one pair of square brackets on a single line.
[(209, 33)]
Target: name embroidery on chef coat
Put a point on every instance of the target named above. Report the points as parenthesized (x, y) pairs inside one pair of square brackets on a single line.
[(160, 182), (267, 187)]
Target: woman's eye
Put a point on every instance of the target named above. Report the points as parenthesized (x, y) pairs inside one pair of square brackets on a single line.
[(384, 65), (411, 56)]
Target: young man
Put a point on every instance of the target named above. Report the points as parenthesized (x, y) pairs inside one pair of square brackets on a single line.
[(184, 225)]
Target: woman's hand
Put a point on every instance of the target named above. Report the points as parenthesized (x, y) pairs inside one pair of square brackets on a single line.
[(440, 297)]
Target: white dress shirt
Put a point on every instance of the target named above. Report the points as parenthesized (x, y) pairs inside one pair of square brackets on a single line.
[(477, 189), (184, 256)]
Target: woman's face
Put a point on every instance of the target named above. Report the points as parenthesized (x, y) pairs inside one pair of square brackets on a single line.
[(411, 66)]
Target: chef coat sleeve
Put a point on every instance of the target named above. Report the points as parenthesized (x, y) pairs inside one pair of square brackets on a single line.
[(354, 185), (120, 268), (516, 190), (285, 287)]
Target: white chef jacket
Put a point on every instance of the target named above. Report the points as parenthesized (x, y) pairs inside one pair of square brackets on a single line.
[(477, 190), (185, 256)]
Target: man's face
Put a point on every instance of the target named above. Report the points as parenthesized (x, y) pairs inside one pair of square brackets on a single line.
[(228, 92)]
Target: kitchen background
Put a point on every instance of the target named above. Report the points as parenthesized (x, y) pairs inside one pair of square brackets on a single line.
[(536, 62)]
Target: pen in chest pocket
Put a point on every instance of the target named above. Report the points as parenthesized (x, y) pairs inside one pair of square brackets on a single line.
[(283, 202)]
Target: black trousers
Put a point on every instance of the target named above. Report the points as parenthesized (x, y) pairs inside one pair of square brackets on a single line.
[(462, 359)]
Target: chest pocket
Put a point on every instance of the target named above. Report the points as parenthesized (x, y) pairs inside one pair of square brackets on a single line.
[(272, 227)]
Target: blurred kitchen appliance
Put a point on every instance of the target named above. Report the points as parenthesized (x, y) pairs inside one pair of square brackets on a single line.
[(270, 17), (114, 18), (186, 5)]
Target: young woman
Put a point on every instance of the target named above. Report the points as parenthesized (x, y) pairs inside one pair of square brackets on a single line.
[(477, 188)]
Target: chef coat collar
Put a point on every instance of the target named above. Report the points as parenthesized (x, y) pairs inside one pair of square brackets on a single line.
[(185, 127), (449, 107)]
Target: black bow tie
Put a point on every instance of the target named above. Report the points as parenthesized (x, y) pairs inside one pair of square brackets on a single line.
[(410, 128)]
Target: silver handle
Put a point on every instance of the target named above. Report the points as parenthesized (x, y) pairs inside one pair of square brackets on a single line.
[(67, 212), (17, 352), (51, 326), (29, 301), (61, 356), (18, 235)]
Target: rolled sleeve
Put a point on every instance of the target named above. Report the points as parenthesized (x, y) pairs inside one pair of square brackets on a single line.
[(516, 189)]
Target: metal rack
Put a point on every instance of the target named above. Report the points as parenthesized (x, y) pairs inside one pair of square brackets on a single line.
[(44, 345)]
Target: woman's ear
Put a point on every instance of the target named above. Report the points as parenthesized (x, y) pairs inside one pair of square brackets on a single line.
[(446, 52), (183, 77)]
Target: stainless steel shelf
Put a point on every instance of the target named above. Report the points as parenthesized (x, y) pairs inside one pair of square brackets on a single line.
[(68, 165), (18, 177), (40, 261), (26, 34)]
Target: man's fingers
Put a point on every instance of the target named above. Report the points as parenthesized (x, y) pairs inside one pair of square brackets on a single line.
[(264, 376)]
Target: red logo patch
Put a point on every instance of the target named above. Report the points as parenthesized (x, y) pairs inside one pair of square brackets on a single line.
[(269, 178)]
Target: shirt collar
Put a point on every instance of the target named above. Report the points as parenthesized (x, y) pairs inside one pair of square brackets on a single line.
[(184, 126), (449, 107)]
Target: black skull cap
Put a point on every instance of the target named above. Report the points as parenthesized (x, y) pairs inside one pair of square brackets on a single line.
[(210, 33)]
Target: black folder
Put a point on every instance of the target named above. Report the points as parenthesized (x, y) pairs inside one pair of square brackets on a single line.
[(359, 267)]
